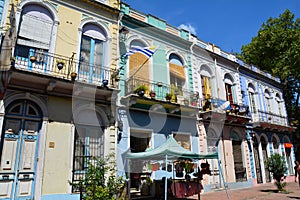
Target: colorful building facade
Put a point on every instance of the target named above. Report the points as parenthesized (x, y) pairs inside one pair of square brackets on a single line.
[(72, 91), (58, 109)]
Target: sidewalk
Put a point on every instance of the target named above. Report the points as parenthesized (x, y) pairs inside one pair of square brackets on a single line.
[(259, 192)]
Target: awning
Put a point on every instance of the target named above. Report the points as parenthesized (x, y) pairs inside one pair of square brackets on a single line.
[(172, 150)]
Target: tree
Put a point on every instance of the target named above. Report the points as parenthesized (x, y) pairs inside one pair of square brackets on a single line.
[(276, 165), (100, 181), (276, 49)]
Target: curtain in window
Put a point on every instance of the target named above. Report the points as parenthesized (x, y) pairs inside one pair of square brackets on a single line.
[(206, 87), (183, 140), (35, 32), (177, 71), (136, 61)]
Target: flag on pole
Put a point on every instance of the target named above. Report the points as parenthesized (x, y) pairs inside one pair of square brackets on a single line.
[(147, 51)]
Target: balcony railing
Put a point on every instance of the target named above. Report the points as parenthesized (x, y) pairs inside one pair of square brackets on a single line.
[(65, 68), (215, 104), (178, 95), (271, 118)]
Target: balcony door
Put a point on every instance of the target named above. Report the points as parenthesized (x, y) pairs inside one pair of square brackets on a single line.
[(19, 140), (34, 38), (92, 54)]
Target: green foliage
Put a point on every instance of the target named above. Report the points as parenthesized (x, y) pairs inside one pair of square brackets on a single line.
[(140, 88), (100, 181), (276, 49), (276, 165)]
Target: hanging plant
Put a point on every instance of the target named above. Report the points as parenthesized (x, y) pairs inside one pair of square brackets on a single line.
[(32, 59), (60, 64)]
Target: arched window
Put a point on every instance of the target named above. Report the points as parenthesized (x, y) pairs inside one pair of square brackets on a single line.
[(268, 100), (279, 103), (88, 142), (92, 53), (229, 88), (251, 92), (138, 63), (275, 145), (205, 75), (264, 146), (177, 74), (35, 31), (240, 170)]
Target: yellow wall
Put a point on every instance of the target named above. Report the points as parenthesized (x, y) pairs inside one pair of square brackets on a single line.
[(67, 35), (58, 153), (69, 23)]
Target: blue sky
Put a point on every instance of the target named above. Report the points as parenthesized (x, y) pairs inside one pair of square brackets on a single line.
[(228, 24)]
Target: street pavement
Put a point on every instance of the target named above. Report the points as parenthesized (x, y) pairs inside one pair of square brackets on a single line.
[(260, 192)]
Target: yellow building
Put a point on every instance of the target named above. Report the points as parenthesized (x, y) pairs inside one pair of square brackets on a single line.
[(58, 103)]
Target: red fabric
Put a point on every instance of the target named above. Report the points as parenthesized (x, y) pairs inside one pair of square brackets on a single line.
[(184, 189)]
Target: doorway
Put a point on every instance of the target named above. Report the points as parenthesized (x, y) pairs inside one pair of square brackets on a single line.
[(20, 133)]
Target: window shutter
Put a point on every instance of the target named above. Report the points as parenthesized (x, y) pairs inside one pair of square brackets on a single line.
[(177, 71), (35, 32)]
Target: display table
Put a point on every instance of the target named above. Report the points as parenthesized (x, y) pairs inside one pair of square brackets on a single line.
[(182, 189)]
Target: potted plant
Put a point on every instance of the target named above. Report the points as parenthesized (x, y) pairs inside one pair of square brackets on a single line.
[(60, 64), (73, 76), (168, 96), (140, 90), (152, 94), (186, 101), (32, 59)]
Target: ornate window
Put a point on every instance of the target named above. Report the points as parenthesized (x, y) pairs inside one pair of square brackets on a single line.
[(229, 88), (252, 101), (138, 63), (177, 74), (92, 53), (268, 100), (35, 33)]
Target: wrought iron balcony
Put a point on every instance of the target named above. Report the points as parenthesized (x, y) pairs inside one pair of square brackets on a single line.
[(161, 91), (215, 104), (65, 68), (271, 118)]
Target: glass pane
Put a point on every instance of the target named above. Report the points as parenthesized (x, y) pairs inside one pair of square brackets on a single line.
[(32, 111), (98, 54), (79, 149), (95, 143), (16, 109), (85, 54)]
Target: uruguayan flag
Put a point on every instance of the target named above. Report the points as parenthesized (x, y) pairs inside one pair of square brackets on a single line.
[(147, 51)]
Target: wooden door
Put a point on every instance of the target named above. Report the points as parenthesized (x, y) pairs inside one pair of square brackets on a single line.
[(19, 149)]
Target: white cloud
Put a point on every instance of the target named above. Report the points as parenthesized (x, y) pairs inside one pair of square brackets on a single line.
[(188, 27)]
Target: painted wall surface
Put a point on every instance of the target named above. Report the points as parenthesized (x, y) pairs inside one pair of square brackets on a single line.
[(160, 72), (58, 159), (60, 109), (67, 35)]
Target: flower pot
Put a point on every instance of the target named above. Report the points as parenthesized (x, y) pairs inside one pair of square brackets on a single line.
[(105, 83), (152, 94), (73, 76), (60, 66), (117, 78), (141, 93), (32, 59), (159, 84)]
